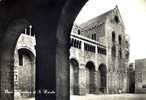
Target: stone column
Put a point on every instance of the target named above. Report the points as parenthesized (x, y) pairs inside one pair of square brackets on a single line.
[(82, 46), (97, 82), (30, 30), (82, 80), (109, 75)]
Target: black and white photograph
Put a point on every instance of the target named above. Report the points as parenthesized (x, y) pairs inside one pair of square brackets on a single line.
[(72, 50)]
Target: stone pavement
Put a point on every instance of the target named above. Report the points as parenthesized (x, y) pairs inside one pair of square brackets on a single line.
[(103, 97), (24, 99), (110, 97)]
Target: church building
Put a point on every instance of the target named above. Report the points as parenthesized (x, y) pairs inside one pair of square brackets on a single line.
[(99, 55)]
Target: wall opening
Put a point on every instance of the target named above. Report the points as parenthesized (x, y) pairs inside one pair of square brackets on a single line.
[(90, 78), (74, 77), (103, 77), (113, 36)]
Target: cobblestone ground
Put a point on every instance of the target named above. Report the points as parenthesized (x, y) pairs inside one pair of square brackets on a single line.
[(103, 97), (111, 97)]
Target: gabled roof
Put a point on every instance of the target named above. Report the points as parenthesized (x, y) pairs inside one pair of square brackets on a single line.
[(96, 20), (100, 19)]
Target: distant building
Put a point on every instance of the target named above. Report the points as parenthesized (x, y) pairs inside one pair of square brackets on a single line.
[(99, 55), (140, 76)]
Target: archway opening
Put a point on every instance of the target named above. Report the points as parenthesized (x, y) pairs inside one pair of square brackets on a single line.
[(103, 77), (24, 65), (90, 78), (74, 77)]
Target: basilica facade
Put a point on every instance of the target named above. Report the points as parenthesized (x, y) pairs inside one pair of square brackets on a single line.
[(99, 55)]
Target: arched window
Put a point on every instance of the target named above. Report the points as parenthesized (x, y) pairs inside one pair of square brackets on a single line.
[(120, 39), (116, 18), (94, 36), (20, 59), (79, 32), (113, 36)]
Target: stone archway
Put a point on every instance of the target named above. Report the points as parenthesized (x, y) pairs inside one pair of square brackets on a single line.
[(103, 77), (74, 77), (52, 21), (8, 44), (90, 78)]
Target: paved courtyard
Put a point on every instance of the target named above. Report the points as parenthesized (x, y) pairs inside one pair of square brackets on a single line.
[(25, 99), (110, 97), (103, 97)]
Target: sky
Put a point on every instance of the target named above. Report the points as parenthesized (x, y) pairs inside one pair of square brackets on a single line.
[(133, 13)]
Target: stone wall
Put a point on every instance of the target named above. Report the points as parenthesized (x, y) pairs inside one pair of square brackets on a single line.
[(117, 63), (140, 76), (84, 57), (24, 76)]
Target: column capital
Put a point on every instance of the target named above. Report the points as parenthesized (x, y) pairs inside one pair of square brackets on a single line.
[(82, 66)]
